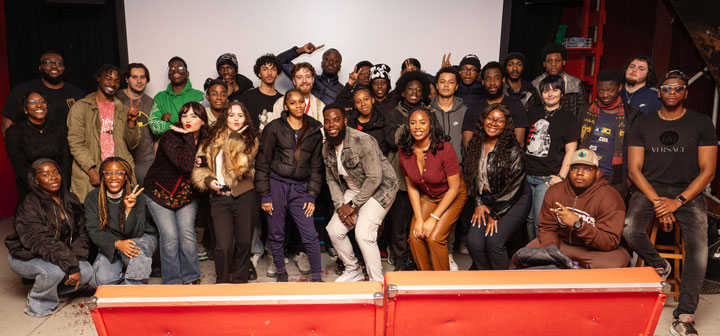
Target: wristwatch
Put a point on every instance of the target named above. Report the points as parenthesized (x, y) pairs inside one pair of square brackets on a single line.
[(578, 224), (352, 204), (682, 199)]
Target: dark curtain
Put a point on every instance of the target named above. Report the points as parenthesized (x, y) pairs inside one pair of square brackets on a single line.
[(86, 36), (533, 26)]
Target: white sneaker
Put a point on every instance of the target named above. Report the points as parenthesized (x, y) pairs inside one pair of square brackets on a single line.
[(303, 263), (272, 270), (453, 265), (254, 259), (351, 276)]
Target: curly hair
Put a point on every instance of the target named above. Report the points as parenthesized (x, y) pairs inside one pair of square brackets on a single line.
[(503, 149), (267, 59), (419, 76), (219, 129), (652, 79), (438, 138), (102, 199)]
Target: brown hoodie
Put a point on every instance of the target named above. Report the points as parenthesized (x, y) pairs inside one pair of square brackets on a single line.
[(600, 207)]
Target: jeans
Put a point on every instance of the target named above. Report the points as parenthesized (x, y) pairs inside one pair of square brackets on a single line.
[(489, 251), (126, 271), (367, 221), (178, 242), (692, 220), (49, 278), (538, 186)]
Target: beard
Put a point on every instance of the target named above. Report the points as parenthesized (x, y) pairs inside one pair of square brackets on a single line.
[(336, 140), (51, 80), (495, 95)]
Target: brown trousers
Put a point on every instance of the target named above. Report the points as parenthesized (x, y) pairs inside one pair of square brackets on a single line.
[(591, 258), (431, 253)]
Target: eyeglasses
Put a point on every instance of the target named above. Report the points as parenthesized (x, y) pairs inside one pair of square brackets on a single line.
[(471, 70), (35, 101), (177, 68), (51, 62), (498, 122), (215, 94), (668, 88), (584, 169), (119, 174)]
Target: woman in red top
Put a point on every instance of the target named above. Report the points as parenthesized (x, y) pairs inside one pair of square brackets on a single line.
[(435, 188)]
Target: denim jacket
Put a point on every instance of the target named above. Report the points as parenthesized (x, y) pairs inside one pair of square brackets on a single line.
[(365, 164)]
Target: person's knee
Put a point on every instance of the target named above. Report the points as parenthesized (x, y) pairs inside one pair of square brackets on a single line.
[(366, 235), (435, 240), (52, 275), (334, 231)]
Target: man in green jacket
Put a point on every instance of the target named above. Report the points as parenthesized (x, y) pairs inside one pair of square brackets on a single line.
[(167, 103), (100, 126)]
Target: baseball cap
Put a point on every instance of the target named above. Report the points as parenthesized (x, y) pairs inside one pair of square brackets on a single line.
[(584, 156)]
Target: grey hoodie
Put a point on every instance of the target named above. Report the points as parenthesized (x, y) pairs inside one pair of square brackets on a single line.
[(451, 122)]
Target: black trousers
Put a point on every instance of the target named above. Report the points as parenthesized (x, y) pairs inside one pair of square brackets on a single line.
[(233, 220), (400, 215)]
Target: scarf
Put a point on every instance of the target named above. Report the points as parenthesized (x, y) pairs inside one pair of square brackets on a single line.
[(588, 124)]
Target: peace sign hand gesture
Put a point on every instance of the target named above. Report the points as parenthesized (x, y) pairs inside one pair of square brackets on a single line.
[(446, 61), (352, 78), (131, 200)]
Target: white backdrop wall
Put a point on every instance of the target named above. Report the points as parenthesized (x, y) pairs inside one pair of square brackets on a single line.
[(381, 31)]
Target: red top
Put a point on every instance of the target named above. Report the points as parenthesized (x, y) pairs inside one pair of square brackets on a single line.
[(438, 166)]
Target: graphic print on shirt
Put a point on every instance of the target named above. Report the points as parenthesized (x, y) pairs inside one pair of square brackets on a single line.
[(584, 216), (602, 137), (538, 141), (668, 139), (264, 118)]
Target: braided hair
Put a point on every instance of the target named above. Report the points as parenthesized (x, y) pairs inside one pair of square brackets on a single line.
[(437, 135), (102, 195), (503, 150)]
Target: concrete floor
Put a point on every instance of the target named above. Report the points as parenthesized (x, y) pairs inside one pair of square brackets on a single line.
[(73, 318)]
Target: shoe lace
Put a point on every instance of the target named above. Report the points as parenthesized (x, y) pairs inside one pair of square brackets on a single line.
[(689, 328)]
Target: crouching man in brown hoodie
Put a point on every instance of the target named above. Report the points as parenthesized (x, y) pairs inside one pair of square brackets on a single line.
[(583, 215)]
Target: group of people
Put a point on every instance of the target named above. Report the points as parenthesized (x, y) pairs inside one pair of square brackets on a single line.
[(473, 152)]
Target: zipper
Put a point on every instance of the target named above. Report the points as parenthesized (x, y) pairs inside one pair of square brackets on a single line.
[(570, 228)]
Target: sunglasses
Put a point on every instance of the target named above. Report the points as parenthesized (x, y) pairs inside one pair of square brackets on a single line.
[(668, 88)]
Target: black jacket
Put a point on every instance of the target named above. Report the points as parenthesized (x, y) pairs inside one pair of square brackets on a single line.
[(38, 230), (281, 153), (375, 127), (505, 194), (135, 226)]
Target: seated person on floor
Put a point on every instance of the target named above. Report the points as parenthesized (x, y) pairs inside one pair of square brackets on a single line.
[(583, 215)]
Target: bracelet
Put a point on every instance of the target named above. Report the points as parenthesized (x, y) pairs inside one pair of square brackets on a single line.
[(434, 216)]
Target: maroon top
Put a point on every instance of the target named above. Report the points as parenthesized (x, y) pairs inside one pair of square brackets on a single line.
[(438, 166)]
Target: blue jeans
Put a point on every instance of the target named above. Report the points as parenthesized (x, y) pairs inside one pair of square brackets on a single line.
[(538, 187), (49, 278), (692, 220), (122, 271), (178, 242)]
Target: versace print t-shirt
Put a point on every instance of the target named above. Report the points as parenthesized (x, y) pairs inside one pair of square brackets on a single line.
[(671, 146)]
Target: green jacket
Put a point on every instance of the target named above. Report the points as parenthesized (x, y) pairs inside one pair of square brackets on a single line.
[(83, 123), (170, 102), (135, 226)]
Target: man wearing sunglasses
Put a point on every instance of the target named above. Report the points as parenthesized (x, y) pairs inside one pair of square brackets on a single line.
[(167, 104), (583, 216), (672, 155), (61, 95)]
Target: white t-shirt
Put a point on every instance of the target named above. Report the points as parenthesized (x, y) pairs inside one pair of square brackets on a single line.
[(219, 168)]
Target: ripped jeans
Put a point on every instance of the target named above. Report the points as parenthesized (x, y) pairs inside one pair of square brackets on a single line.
[(692, 220)]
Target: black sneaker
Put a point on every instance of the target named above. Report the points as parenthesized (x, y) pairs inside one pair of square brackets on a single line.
[(683, 326), (252, 274), (339, 267), (282, 277)]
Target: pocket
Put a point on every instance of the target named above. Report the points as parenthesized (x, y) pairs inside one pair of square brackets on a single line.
[(351, 161)]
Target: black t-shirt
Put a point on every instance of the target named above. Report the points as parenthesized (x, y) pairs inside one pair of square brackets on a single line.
[(546, 139), (517, 112), (671, 146), (259, 104), (59, 101)]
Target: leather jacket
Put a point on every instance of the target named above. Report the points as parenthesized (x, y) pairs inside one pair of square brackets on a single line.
[(505, 194)]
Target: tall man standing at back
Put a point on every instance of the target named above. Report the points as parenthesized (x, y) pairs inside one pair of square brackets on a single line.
[(326, 86), (672, 156), (136, 78), (167, 104), (60, 94), (553, 59), (516, 86), (639, 89), (259, 101)]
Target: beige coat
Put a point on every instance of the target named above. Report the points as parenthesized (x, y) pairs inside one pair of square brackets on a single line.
[(83, 124)]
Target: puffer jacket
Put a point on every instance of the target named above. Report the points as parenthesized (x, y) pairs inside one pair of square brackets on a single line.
[(37, 233), (505, 194), (238, 171), (296, 159), (375, 127), (365, 164)]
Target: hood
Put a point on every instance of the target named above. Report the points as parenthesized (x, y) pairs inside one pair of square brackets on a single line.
[(186, 89), (458, 103), (599, 182)]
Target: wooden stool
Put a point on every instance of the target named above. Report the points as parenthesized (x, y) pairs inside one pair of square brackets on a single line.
[(676, 252)]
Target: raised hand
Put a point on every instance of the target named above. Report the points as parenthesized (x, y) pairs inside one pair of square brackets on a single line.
[(131, 200), (352, 78), (446, 61), (308, 48), (133, 113), (179, 129), (566, 216)]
